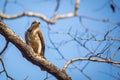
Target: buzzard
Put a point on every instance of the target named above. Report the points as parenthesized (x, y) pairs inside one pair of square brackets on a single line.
[(34, 38)]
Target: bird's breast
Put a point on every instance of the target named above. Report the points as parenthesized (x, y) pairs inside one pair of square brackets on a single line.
[(35, 43)]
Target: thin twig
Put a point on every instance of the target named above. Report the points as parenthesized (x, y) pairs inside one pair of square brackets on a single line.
[(5, 70), (57, 7), (49, 29), (5, 47), (114, 54)]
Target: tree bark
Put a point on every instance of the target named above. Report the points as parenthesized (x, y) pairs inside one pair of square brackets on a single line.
[(29, 54)]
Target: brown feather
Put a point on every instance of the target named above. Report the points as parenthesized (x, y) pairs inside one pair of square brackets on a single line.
[(34, 38)]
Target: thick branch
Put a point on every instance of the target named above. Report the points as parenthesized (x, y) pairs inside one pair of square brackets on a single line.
[(28, 53)]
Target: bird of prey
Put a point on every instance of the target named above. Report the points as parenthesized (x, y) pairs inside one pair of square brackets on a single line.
[(34, 38)]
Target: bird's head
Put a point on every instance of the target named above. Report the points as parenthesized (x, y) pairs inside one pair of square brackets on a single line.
[(34, 25), (36, 22)]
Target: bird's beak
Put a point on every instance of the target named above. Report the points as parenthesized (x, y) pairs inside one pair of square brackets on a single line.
[(38, 22)]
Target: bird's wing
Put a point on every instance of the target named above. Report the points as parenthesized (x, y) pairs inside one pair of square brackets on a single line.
[(42, 42), (27, 36)]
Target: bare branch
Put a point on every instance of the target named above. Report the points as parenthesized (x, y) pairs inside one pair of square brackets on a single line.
[(114, 5), (111, 75), (43, 17), (57, 7), (114, 54), (88, 59), (6, 45), (29, 54), (4, 69), (38, 15), (77, 7), (101, 20), (61, 53), (55, 46), (47, 76), (1, 71), (4, 8), (108, 32)]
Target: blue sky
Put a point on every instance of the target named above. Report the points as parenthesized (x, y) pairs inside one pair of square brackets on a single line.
[(19, 68)]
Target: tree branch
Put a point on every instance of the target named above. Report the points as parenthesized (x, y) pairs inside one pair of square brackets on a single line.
[(28, 53), (4, 70), (88, 59), (43, 17), (5, 47)]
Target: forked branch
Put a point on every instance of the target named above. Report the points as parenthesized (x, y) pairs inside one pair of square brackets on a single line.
[(43, 17), (28, 53)]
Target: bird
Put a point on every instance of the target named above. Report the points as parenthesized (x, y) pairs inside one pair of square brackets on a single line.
[(35, 39)]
